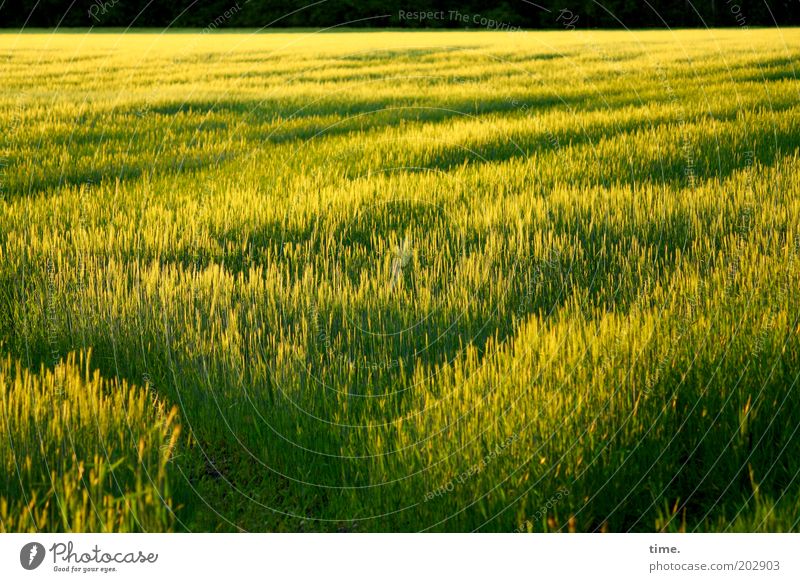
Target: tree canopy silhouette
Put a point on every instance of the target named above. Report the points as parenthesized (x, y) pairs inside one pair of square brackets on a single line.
[(454, 14)]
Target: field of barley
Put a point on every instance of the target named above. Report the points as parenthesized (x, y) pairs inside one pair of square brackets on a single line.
[(400, 281)]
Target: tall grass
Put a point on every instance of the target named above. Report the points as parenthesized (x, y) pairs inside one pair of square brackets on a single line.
[(83, 454), (425, 281)]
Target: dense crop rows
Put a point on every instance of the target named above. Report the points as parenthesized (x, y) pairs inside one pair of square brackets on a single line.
[(83, 454), (402, 281)]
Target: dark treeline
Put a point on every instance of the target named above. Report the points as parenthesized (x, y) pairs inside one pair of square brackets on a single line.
[(486, 14)]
